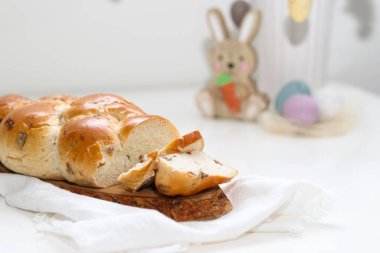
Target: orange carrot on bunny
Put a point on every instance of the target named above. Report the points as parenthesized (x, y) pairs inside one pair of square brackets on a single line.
[(232, 92), (227, 87)]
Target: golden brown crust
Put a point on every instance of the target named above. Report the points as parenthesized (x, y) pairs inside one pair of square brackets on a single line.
[(191, 138), (27, 138), (80, 146), (33, 115), (173, 183), (184, 144), (103, 104), (10, 102), (59, 97), (128, 124)]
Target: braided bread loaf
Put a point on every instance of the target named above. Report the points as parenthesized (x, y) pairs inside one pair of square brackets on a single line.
[(88, 141)]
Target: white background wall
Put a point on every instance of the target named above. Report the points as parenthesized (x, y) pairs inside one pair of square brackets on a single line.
[(355, 44), (49, 46)]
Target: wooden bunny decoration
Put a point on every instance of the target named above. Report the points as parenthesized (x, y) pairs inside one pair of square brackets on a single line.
[(232, 92)]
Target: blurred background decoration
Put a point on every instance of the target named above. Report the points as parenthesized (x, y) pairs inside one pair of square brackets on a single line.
[(293, 45), (104, 45), (231, 90)]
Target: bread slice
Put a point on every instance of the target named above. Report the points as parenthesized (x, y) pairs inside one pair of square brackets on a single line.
[(189, 173), (180, 168), (142, 174)]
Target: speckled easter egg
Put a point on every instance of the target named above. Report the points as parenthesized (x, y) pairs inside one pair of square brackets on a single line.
[(291, 88), (302, 110)]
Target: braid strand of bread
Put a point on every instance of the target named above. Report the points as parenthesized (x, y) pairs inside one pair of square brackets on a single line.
[(88, 141)]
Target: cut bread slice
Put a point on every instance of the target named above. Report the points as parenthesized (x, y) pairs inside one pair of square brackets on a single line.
[(189, 173), (180, 168), (142, 174)]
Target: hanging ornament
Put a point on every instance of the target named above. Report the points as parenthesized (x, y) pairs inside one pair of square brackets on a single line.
[(299, 10), (238, 11)]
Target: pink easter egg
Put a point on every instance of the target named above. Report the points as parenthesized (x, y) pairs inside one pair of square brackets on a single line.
[(302, 110)]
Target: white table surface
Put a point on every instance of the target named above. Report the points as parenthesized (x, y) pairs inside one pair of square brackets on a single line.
[(348, 165)]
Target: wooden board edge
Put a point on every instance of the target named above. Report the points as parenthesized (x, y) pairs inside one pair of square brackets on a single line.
[(206, 205)]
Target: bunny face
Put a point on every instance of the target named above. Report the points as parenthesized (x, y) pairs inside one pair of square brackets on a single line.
[(234, 58)]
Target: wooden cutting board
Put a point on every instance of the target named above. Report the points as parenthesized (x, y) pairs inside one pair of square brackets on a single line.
[(206, 205)]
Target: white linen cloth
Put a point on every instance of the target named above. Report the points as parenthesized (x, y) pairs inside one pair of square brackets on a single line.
[(260, 205)]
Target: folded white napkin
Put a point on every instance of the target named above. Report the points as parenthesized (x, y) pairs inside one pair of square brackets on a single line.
[(260, 204)]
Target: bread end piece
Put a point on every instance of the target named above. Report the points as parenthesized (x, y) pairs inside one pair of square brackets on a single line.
[(28, 139), (187, 174)]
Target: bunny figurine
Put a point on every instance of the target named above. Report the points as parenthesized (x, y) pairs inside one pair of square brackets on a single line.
[(232, 92)]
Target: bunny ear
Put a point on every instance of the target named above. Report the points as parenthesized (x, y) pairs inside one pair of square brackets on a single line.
[(217, 25), (250, 26)]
